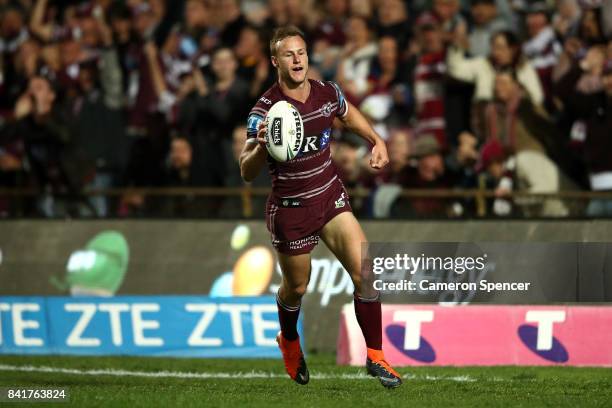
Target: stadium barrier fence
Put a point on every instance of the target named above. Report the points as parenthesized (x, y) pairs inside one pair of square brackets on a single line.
[(576, 200)]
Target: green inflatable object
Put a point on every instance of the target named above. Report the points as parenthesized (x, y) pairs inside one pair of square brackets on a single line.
[(101, 265)]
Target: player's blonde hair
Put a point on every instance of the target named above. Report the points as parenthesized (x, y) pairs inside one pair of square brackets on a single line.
[(284, 32)]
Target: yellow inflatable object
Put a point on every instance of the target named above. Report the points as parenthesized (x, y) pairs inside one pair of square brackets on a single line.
[(252, 272)]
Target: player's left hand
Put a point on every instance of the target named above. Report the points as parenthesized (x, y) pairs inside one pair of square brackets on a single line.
[(379, 158)]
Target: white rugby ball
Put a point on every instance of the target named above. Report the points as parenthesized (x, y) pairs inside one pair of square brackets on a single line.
[(285, 133)]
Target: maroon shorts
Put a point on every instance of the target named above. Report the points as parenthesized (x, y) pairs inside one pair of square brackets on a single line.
[(295, 224)]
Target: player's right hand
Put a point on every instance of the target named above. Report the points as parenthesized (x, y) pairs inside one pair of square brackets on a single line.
[(261, 132)]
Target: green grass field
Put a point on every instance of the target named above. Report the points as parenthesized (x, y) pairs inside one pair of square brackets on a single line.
[(145, 382)]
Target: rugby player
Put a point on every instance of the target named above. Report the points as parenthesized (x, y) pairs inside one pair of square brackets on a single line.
[(309, 201)]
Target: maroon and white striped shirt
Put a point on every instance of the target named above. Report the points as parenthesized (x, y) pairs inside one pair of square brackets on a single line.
[(312, 172)]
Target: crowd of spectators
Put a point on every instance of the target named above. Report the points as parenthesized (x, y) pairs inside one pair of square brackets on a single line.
[(505, 95)]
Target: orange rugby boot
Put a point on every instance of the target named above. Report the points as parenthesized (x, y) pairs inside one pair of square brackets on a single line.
[(295, 365), (378, 367)]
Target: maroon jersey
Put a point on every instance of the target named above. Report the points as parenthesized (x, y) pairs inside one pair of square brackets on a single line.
[(312, 172)]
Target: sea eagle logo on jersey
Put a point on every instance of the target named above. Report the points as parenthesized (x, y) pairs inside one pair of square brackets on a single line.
[(277, 126), (326, 109)]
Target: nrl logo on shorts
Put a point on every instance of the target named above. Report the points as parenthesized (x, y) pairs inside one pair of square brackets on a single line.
[(326, 109), (340, 202)]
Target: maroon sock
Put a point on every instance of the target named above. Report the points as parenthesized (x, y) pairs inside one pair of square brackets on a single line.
[(288, 317), (369, 317)]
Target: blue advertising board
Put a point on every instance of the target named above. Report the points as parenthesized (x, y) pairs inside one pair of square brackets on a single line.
[(181, 326)]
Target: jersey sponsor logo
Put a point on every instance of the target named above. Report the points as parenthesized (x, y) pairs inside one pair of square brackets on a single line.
[(304, 242), (265, 100), (311, 144), (277, 136), (325, 138), (298, 130), (340, 202)]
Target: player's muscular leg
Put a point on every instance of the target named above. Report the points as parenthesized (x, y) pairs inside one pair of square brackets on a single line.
[(344, 237), (296, 274)]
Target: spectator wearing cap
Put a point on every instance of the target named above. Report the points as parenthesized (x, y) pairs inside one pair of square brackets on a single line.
[(505, 54), (595, 109), (485, 23), (496, 174), (427, 172), (542, 48), (527, 171)]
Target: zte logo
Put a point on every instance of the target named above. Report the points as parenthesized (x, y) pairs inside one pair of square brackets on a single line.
[(277, 136), (540, 339), (407, 337)]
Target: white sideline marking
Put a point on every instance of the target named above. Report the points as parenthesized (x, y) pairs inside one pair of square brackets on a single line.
[(217, 375)]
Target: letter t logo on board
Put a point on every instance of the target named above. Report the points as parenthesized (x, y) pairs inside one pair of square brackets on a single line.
[(413, 320), (545, 320)]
